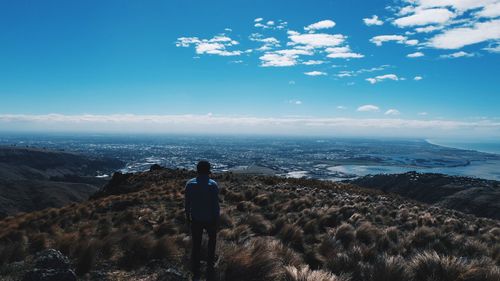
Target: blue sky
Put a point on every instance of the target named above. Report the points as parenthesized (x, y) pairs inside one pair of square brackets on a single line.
[(421, 68)]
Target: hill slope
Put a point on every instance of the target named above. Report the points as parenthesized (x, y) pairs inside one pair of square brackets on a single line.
[(271, 229), (470, 195), (33, 179)]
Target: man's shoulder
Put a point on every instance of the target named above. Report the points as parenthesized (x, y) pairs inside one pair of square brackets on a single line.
[(212, 182), (191, 182)]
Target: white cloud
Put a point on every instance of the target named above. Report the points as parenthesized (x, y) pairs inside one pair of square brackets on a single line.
[(281, 58), (490, 11), (381, 78), (400, 39), (270, 24), (268, 43), (428, 29), (215, 46), (291, 82), (374, 20), (392, 111), (295, 102), (457, 55), (205, 123), (315, 73), (324, 24), (456, 38), (317, 40), (415, 55), (456, 23), (342, 53), (277, 60), (418, 78), (423, 113), (313, 62), (459, 5), (341, 107), (368, 108), (349, 73), (411, 42), (424, 17), (493, 48)]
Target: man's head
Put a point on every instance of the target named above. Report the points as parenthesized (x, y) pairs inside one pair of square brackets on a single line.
[(203, 167)]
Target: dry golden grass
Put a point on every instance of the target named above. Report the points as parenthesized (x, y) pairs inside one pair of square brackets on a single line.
[(271, 229)]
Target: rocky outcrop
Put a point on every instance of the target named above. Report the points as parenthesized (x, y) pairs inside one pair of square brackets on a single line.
[(50, 265)]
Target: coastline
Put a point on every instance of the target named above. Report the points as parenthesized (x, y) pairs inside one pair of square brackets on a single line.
[(474, 146)]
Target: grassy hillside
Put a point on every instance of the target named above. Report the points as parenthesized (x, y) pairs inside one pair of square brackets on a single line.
[(33, 179), (469, 195), (271, 229)]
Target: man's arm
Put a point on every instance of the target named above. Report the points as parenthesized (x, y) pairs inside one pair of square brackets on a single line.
[(215, 203), (187, 202)]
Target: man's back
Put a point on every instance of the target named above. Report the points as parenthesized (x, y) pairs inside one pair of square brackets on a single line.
[(202, 202)]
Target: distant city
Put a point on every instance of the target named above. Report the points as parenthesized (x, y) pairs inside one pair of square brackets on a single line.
[(319, 158)]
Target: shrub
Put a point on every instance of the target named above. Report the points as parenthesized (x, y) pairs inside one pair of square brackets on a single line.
[(226, 221), (292, 235), (303, 273), (345, 234), (346, 261), (367, 233), (258, 224), (86, 256), (165, 248), (424, 237), (38, 242), (166, 228), (431, 266), (137, 250), (330, 218), (387, 268), (481, 273), (252, 262), (246, 206)]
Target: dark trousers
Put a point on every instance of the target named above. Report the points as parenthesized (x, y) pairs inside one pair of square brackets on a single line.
[(197, 233)]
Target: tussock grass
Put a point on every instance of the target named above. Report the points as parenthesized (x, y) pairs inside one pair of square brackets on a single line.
[(270, 229)]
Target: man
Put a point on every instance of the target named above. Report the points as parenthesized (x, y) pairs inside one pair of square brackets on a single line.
[(202, 211)]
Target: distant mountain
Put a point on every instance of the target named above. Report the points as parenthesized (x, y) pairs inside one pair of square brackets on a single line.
[(33, 179), (470, 195)]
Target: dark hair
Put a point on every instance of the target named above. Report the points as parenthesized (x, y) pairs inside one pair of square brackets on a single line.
[(203, 167)]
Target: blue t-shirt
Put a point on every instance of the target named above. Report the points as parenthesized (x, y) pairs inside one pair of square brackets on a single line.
[(202, 199)]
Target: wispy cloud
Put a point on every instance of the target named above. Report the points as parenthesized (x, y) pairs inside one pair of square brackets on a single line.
[(368, 108), (424, 17), (315, 73), (215, 46), (380, 78), (392, 111), (314, 62), (459, 54), (415, 55), (400, 39), (324, 24), (228, 124)]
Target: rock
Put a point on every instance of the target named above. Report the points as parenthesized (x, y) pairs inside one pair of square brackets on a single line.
[(50, 265), (171, 274), (155, 167)]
